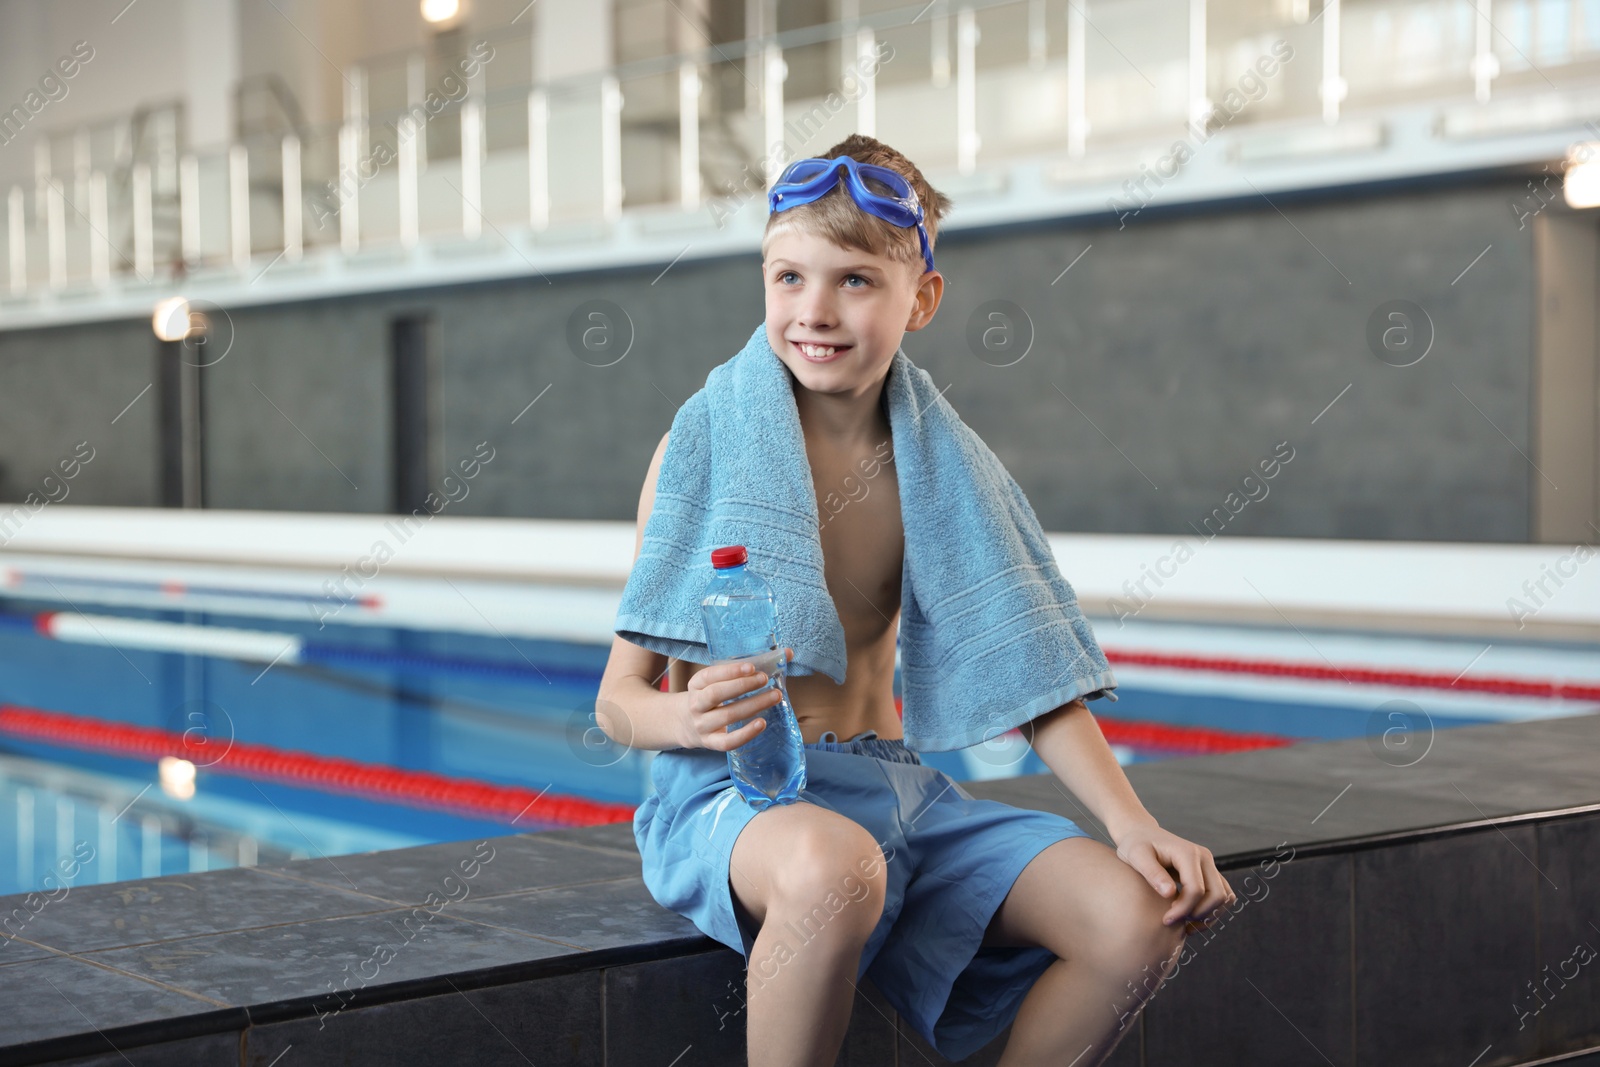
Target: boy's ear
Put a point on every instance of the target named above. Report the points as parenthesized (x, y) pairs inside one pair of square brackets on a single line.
[(930, 290)]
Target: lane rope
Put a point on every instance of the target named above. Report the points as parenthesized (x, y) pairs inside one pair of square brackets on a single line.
[(1354, 675), (267, 646), (411, 788), (1196, 740), (17, 578), (1166, 737)]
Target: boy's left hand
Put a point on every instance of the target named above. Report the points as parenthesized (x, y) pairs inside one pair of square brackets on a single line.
[(1157, 854)]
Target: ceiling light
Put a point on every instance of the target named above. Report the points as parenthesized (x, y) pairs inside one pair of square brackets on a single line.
[(1582, 183), (440, 10), (171, 319)]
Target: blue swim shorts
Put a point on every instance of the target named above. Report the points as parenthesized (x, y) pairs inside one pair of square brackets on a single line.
[(950, 859)]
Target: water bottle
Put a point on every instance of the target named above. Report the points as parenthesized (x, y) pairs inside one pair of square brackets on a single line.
[(741, 622)]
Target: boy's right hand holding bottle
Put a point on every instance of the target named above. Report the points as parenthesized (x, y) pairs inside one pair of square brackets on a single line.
[(703, 720)]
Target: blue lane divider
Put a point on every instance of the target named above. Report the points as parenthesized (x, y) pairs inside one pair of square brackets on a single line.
[(425, 663), (181, 639), (179, 589)]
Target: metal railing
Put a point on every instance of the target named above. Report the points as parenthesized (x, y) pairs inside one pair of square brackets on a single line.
[(454, 146)]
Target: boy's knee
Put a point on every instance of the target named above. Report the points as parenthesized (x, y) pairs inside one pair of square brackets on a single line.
[(1140, 941), (835, 876)]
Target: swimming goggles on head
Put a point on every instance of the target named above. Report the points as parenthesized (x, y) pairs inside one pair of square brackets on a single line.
[(806, 180)]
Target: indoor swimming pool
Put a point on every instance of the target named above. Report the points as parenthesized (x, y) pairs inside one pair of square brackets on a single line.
[(157, 727)]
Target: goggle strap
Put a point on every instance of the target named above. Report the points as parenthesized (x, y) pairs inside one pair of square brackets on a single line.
[(794, 194)]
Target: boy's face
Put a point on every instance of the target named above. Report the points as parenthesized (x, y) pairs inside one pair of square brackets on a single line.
[(858, 303)]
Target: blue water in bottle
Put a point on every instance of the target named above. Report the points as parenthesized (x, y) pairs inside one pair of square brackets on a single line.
[(741, 622)]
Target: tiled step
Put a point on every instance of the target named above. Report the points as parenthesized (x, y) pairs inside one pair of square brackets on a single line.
[(1391, 914)]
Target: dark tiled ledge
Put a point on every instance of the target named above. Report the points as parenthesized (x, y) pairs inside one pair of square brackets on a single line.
[(1334, 795), (1417, 903)]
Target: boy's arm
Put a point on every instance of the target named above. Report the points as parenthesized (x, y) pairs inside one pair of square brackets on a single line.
[(630, 708), (1072, 746)]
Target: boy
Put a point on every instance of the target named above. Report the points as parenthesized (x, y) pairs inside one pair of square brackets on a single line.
[(970, 915)]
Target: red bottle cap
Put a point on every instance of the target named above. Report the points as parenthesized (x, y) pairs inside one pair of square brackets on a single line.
[(731, 556)]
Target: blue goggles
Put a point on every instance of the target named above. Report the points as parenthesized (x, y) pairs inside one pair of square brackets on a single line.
[(806, 180)]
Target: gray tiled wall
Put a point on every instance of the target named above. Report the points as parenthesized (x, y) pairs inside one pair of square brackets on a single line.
[(1172, 357)]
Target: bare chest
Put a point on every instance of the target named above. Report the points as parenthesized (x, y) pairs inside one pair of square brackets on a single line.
[(862, 535)]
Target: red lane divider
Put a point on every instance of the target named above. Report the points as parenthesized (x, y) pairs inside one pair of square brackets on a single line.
[(1323, 672), (1156, 735), (417, 789), (1193, 739)]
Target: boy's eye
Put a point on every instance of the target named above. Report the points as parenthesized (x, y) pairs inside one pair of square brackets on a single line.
[(791, 274)]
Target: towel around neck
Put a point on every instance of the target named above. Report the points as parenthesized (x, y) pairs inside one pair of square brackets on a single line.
[(991, 635)]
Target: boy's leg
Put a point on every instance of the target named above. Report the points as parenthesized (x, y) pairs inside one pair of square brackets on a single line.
[(814, 881), (1103, 921)]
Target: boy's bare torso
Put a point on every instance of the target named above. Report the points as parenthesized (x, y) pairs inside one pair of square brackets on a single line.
[(863, 548)]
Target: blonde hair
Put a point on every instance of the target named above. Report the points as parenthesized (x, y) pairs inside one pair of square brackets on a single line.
[(837, 218)]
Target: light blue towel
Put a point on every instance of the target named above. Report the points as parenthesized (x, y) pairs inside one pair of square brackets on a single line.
[(990, 632)]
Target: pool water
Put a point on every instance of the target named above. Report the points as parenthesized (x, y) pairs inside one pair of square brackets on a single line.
[(508, 711), (488, 729)]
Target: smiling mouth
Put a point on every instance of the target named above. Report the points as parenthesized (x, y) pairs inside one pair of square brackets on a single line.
[(819, 353)]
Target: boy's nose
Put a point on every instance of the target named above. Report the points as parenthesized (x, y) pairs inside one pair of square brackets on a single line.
[(817, 313)]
